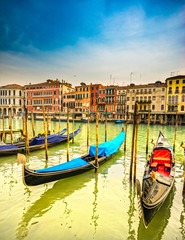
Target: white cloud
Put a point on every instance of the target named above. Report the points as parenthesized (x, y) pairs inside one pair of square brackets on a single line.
[(129, 42)]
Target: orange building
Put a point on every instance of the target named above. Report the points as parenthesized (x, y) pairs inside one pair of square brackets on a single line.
[(82, 98), (69, 101)]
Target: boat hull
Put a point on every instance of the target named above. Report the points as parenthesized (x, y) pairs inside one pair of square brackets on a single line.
[(33, 178)]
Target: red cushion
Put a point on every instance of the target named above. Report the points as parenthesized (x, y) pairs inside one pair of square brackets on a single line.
[(154, 164), (162, 156), (167, 165)]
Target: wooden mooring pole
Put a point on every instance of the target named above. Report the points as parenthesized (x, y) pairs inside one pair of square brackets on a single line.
[(45, 134), (183, 146), (67, 134), (26, 134), (88, 129), (73, 125), (148, 129), (133, 137), (176, 125), (96, 158), (4, 138), (125, 142), (136, 140), (11, 132), (59, 121), (106, 125), (32, 120)]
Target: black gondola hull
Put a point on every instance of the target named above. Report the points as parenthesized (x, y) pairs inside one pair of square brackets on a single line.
[(33, 178)]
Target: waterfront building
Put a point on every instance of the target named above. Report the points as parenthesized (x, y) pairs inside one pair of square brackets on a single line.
[(175, 97), (49, 94), (95, 88), (69, 101), (150, 97), (121, 102), (107, 100), (82, 98), (12, 96)]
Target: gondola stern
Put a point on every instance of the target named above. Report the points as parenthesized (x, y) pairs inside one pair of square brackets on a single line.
[(140, 206), (21, 162)]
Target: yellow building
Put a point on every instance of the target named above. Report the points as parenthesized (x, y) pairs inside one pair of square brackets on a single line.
[(175, 94)]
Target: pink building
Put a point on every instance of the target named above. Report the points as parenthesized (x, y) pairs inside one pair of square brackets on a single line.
[(49, 94)]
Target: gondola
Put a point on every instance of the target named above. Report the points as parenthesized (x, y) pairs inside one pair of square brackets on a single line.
[(74, 167), (36, 144), (119, 121), (158, 180), (21, 142)]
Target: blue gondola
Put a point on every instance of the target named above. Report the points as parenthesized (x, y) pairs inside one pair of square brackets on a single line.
[(74, 167)]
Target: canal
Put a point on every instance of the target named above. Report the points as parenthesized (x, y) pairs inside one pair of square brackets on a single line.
[(88, 206)]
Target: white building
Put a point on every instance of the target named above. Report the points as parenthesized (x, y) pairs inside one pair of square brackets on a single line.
[(12, 96)]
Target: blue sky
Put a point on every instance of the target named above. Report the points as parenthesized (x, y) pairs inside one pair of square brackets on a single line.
[(92, 41)]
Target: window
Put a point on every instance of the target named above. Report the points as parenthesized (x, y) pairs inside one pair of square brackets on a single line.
[(183, 81), (127, 98), (153, 107), (133, 98), (132, 107), (99, 91), (153, 97), (170, 82), (182, 108), (183, 98), (162, 97), (183, 89), (163, 89), (9, 92), (162, 107), (170, 90), (177, 90), (177, 81), (153, 89), (145, 90), (141, 90), (144, 107), (14, 92)]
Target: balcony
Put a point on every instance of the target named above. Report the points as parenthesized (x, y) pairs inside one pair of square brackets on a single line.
[(169, 92)]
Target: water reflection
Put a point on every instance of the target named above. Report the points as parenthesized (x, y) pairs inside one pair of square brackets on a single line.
[(158, 224), (132, 209), (60, 190), (182, 219), (95, 214)]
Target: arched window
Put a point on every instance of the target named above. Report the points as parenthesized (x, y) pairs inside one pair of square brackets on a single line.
[(183, 89), (177, 90), (173, 99), (170, 100), (183, 98), (182, 108), (170, 90)]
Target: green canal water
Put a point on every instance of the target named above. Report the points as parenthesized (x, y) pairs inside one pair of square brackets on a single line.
[(88, 206)]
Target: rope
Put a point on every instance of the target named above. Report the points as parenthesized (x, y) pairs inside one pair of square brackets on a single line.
[(94, 165)]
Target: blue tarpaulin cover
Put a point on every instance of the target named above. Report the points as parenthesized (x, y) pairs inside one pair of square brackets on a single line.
[(77, 162), (108, 148), (8, 147), (55, 138)]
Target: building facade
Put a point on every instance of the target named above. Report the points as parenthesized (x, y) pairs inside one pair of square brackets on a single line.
[(69, 101), (121, 102), (107, 100), (12, 96), (95, 88), (150, 97), (82, 98), (49, 94)]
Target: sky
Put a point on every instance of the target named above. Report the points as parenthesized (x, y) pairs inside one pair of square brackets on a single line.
[(92, 41)]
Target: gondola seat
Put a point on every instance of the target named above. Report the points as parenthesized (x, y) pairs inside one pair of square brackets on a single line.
[(154, 165), (161, 156)]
